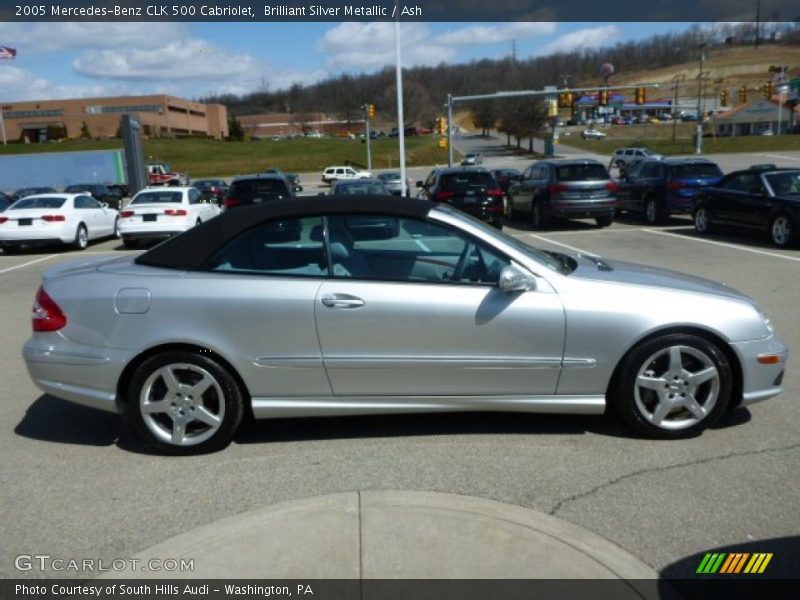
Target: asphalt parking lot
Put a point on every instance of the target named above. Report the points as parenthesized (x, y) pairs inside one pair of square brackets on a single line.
[(76, 486)]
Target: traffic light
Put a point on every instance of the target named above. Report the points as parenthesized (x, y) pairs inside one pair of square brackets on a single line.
[(768, 90), (371, 110), (743, 93), (603, 98), (441, 125), (562, 100), (723, 98), (569, 98), (641, 95)]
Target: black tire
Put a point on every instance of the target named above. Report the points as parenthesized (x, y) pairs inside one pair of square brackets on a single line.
[(702, 220), (638, 402), (653, 213), (604, 221), (511, 212), (538, 219), (11, 249), (116, 234), (783, 231), (221, 400), (130, 244), (81, 241)]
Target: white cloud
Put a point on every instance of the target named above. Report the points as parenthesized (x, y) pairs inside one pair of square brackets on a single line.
[(30, 38), (595, 37), (493, 34), (371, 46), (20, 84)]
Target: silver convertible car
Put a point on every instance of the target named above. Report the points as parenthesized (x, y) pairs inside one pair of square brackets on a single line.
[(370, 304)]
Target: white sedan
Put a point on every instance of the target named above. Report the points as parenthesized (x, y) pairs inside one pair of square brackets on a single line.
[(41, 219), (157, 213)]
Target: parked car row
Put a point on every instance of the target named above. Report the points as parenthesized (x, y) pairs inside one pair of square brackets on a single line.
[(111, 194)]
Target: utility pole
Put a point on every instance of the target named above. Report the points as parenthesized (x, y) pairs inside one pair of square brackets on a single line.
[(367, 110), (513, 51), (449, 130), (698, 148), (758, 22), (677, 81)]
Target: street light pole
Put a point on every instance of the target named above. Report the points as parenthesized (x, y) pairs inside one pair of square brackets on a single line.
[(698, 148), (401, 128), (677, 79), (449, 130)]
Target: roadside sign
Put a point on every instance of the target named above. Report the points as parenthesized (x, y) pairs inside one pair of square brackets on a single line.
[(442, 142)]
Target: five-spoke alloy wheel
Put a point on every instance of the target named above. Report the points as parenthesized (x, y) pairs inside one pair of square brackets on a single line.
[(184, 403), (672, 386)]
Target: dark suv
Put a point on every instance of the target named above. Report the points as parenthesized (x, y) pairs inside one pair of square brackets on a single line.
[(255, 189), (472, 190), (658, 188), (566, 189)]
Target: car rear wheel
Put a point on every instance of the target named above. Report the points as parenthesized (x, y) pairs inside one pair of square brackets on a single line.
[(184, 403), (116, 228), (652, 212), (538, 219), (604, 221), (782, 231), (673, 386), (702, 220), (81, 238)]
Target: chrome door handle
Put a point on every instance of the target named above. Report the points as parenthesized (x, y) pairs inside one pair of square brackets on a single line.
[(342, 301)]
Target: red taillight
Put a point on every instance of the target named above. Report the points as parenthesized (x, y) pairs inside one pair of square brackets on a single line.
[(175, 212), (675, 185), (232, 202), (47, 315), (443, 195), (557, 188), (126, 214), (3, 219), (496, 192), (612, 187), (495, 208), (52, 218)]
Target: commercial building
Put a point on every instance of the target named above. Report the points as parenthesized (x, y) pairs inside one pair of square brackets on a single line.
[(296, 124), (160, 116), (755, 118)]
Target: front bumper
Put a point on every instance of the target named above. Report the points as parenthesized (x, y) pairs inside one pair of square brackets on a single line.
[(761, 381)]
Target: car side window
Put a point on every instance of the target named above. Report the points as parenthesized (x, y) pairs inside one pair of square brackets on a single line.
[(744, 182), (285, 247), (194, 196), (528, 173), (84, 202), (387, 248)]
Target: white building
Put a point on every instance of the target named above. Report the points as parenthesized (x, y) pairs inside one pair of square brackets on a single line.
[(754, 118)]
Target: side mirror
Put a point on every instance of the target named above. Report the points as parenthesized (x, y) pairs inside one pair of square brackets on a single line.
[(420, 184), (514, 279), (104, 204)]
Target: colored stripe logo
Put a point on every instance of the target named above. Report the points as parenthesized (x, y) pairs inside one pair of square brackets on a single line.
[(734, 563)]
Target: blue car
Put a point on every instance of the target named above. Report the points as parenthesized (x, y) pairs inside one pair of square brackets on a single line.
[(658, 188)]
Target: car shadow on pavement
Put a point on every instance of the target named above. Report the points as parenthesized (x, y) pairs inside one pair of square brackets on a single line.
[(555, 226), (51, 419), (425, 424)]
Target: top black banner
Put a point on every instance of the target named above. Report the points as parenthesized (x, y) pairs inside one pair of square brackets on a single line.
[(383, 10)]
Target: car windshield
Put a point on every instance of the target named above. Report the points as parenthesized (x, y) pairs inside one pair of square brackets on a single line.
[(507, 172), (581, 172), (457, 181), (547, 259), (41, 202), (784, 183), (259, 187), (696, 170), (158, 198), (360, 187), (206, 183), (389, 176)]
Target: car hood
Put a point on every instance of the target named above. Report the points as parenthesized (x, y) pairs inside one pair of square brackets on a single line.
[(613, 271)]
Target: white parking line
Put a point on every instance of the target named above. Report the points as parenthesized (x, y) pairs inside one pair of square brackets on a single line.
[(549, 241), (779, 156), (30, 262), (724, 245), (619, 230)]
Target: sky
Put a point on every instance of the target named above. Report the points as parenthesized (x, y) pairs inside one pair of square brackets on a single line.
[(194, 60)]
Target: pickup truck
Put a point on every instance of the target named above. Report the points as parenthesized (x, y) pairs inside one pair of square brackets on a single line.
[(162, 174)]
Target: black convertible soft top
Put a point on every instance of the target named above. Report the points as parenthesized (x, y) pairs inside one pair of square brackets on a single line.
[(195, 247)]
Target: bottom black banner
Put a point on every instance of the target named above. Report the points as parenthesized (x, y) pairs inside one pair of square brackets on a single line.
[(403, 589)]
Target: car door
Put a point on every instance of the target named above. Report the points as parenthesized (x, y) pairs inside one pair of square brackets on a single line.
[(627, 184), (414, 310), (523, 190), (641, 183), (89, 213), (739, 200)]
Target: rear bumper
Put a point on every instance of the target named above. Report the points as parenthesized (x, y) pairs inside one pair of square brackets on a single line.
[(148, 235), (49, 234), (80, 374), (581, 209)]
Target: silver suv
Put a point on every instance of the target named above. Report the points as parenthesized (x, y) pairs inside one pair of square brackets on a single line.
[(623, 157)]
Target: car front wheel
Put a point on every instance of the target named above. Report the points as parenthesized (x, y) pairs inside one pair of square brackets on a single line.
[(673, 386), (81, 238), (782, 231), (702, 220), (184, 403)]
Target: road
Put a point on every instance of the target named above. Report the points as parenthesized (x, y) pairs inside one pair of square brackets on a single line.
[(75, 485)]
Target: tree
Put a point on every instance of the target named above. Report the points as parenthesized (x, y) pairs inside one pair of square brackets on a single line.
[(302, 121), (484, 116), (522, 118), (85, 134), (235, 131), (417, 104)]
